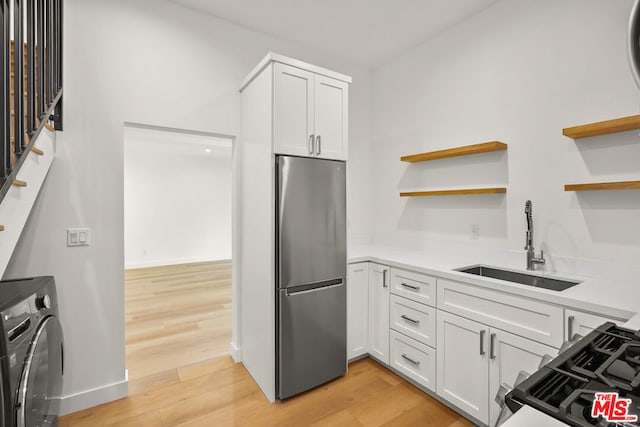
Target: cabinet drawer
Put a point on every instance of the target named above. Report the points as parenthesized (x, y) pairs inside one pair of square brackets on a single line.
[(415, 320), (414, 359), (581, 323), (522, 316), (415, 286)]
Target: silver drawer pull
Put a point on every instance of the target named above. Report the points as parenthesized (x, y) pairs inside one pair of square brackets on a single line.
[(415, 362), (408, 286), (409, 319)]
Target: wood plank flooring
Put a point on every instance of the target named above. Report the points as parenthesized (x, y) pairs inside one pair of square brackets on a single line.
[(178, 332)]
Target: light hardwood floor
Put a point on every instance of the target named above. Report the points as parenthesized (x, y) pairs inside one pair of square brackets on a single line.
[(178, 332)]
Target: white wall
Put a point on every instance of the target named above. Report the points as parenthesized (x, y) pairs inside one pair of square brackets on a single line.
[(152, 62), (177, 198), (518, 72)]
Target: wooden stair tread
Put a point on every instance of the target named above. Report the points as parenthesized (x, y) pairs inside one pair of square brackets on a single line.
[(19, 183)]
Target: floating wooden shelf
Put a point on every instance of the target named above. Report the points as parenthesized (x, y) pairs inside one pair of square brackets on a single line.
[(623, 185), (497, 190), (457, 151), (603, 128)]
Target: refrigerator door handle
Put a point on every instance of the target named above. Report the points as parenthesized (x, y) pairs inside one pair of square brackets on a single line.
[(294, 293), (305, 289), (318, 145)]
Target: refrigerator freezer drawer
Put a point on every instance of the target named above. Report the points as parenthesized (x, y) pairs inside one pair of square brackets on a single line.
[(311, 338)]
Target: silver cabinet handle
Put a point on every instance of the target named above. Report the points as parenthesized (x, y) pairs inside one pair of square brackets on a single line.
[(415, 362), (384, 278), (570, 321), (409, 319), (492, 344), (482, 332), (408, 286), (318, 145), (311, 144)]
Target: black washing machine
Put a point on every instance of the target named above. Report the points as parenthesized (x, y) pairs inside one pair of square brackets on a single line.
[(31, 353)]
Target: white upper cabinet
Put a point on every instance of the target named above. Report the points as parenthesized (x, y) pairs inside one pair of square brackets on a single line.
[(331, 117), (310, 114), (293, 110)]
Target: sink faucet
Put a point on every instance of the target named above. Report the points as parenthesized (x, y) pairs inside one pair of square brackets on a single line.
[(532, 260)]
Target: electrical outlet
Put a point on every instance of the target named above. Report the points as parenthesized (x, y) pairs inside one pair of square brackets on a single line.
[(78, 237), (475, 231)]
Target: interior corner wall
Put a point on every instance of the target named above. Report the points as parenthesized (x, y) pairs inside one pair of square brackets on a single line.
[(518, 72), (150, 62), (175, 218)]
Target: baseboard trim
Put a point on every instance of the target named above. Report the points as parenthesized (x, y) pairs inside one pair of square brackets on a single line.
[(171, 261), (94, 397), (236, 352)]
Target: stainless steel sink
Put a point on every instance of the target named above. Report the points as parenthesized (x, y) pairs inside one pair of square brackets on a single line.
[(521, 278)]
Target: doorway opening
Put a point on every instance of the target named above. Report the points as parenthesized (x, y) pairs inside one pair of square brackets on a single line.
[(178, 250)]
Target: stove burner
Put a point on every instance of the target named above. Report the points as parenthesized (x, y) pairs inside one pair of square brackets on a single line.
[(606, 360)]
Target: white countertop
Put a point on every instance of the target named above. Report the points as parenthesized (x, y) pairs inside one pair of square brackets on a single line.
[(531, 417), (611, 298)]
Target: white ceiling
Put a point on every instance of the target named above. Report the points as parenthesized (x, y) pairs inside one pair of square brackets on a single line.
[(368, 32)]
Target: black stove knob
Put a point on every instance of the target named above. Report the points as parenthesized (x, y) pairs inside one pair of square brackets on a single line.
[(43, 302)]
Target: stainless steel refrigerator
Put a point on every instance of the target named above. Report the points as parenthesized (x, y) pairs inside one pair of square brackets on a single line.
[(311, 270)]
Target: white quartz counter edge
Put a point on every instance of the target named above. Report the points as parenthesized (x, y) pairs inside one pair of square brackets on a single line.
[(608, 298), (531, 417)]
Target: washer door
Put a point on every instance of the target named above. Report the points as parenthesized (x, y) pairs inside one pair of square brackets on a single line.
[(41, 382)]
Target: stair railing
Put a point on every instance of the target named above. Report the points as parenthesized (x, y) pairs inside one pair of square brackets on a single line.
[(31, 76)]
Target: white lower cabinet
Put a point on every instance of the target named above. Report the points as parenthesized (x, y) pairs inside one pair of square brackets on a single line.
[(413, 319), (414, 359), (357, 310), (474, 359), (508, 355), (379, 312), (462, 364), (581, 323)]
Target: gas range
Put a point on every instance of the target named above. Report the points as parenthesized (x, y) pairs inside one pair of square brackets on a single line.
[(607, 360)]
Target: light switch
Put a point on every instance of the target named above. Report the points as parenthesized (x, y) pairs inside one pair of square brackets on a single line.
[(78, 237)]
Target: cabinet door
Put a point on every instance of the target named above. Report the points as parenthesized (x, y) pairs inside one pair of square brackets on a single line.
[(331, 118), (578, 322), (292, 110), (357, 309), (508, 355), (379, 312), (463, 364)]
